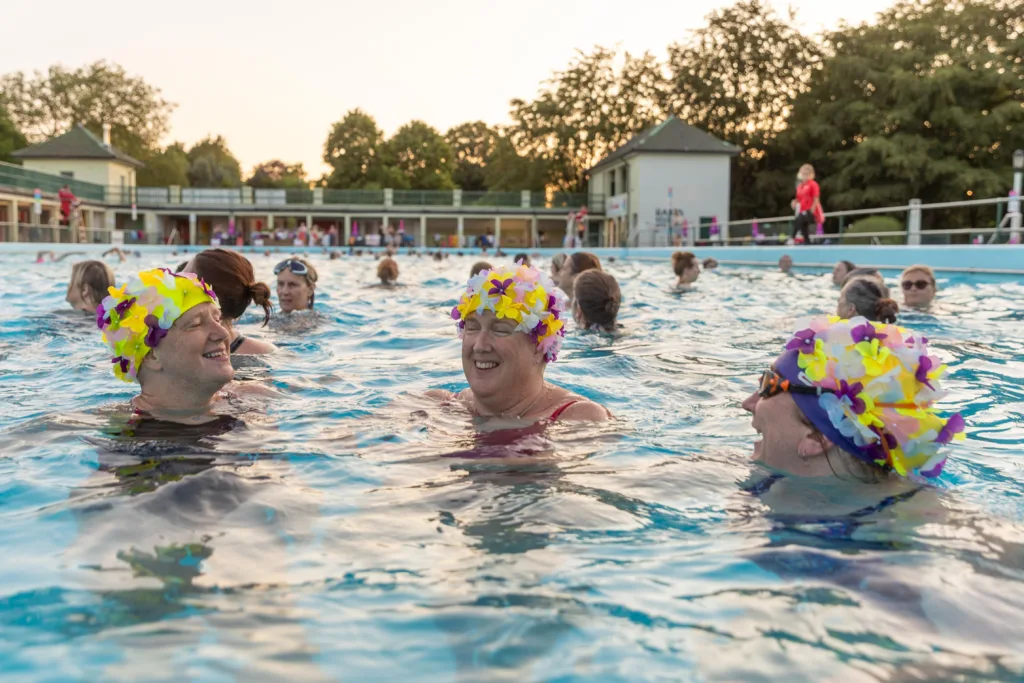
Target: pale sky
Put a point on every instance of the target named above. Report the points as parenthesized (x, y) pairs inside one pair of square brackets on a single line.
[(272, 77)]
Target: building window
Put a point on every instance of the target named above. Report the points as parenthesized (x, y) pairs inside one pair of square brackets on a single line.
[(625, 178), (611, 183), (68, 174)]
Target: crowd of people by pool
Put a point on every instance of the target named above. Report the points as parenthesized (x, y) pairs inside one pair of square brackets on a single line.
[(850, 395)]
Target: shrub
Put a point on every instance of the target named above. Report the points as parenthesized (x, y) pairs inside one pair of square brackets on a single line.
[(874, 224)]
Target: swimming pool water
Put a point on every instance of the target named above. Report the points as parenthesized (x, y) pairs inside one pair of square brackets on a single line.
[(344, 532)]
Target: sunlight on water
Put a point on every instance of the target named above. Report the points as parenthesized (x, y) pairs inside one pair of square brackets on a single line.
[(353, 530)]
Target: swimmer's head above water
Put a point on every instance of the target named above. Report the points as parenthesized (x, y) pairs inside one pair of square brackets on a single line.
[(296, 284), (166, 325), (854, 397)]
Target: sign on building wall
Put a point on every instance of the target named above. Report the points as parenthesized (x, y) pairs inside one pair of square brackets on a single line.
[(665, 218), (617, 206)]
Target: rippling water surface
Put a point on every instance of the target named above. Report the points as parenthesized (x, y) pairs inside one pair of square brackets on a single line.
[(341, 531)]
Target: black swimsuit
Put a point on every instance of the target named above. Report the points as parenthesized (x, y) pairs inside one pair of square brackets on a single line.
[(238, 342)]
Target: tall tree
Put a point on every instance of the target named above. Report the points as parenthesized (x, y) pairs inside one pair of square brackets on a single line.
[(44, 105), (352, 151), (421, 154), (10, 137), (737, 78), (211, 164), (471, 144), (508, 171), (586, 111), (926, 102), (277, 174), (165, 167)]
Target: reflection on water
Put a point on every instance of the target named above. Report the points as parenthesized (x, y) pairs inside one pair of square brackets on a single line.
[(351, 529)]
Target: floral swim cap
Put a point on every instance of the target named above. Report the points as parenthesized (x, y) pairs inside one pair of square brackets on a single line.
[(136, 316), (878, 387), (523, 294)]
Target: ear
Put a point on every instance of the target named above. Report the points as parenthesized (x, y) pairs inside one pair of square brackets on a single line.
[(152, 361), (813, 446)]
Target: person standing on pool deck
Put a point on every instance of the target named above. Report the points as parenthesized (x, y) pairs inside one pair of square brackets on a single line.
[(164, 331), (511, 322), (918, 285), (296, 284), (855, 400), (807, 204), (232, 278)]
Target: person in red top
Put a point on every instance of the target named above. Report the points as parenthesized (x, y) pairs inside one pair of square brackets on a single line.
[(807, 204), (67, 198)]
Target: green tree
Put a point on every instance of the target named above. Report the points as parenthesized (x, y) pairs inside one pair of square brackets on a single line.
[(422, 156), (586, 111), (44, 105), (737, 78), (508, 171), (471, 144), (277, 174), (10, 137), (926, 103), (165, 167), (352, 150), (211, 164)]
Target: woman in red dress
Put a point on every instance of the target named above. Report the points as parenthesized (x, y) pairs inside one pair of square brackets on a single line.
[(807, 204)]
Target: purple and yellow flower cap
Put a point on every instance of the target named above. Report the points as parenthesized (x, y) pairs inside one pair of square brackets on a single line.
[(137, 315), (879, 386), (523, 294)]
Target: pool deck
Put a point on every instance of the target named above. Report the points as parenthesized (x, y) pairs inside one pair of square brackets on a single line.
[(966, 258)]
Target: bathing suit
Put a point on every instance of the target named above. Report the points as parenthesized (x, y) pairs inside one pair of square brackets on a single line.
[(238, 342), (561, 409)]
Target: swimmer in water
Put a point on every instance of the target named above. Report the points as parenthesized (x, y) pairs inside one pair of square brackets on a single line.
[(686, 268), (387, 272), (557, 263), (43, 256), (504, 358), (841, 270), (786, 263), (479, 267), (855, 400), (164, 331), (296, 285), (233, 281), (522, 257), (867, 297), (579, 262), (597, 302), (919, 289), (88, 285)]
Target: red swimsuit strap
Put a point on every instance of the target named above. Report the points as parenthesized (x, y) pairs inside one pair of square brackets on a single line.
[(561, 409)]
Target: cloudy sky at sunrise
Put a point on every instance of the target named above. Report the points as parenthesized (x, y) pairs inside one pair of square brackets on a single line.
[(272, 76)]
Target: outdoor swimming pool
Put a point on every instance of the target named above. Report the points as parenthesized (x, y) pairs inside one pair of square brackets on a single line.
[(343, 532)]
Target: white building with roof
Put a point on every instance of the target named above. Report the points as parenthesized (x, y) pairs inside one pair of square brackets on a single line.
[(668, 177)]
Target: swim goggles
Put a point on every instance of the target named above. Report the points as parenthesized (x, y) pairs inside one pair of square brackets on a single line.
[(294, 265), (920, 284), (773, 384)]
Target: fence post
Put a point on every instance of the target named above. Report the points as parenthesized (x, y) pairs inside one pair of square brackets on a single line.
[(524, 199), (389, 196), (457, 197), (461, 229), (914, 223)]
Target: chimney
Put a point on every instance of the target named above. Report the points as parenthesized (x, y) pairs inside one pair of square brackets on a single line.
[(106, 134)]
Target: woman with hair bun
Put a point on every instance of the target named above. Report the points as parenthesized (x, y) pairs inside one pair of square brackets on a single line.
[(597, 302), (232, 279), (686, 268), (862, 296)]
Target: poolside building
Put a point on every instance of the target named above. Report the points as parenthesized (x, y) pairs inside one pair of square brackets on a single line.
[(668, 178)]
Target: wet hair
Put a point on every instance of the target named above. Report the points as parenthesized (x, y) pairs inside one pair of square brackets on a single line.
[(387, 270), (96, 276), (558, 262), (922, 269), (232, 279), (181, 266), (862, 272), (310, 276), (868, 300), (479, 267), (681, 260), (599, 297), (582, 261), (438, 256), (848, 265), (710, 263), (522, 256)]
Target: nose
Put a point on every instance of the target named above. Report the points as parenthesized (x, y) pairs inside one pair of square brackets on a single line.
[(219, 332), (482, 343), (751, 402)]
